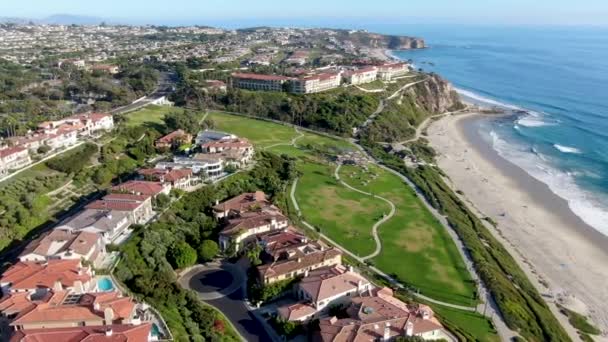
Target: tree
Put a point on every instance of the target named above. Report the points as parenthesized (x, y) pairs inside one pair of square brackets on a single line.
[(208, 250), (185, 120), (43, 149), (181, 255)]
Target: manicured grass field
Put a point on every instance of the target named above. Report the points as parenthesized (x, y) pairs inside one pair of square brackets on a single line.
[(261, 133), (344, 215), (471, 323), (148, 115), (415, 247)]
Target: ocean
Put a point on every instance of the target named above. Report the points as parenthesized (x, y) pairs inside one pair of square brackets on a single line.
[(558, 76)]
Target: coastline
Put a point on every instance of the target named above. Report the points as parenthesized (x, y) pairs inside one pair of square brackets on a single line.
[(562, 255)]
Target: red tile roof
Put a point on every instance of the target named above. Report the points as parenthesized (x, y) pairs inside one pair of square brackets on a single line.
[(114, 205), (167, 139), (11, 150), (78, 242), (139, 188), (243, 202), (120, 333), (260, 77), (34, 275)]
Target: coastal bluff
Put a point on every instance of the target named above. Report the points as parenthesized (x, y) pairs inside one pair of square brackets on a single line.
[(381, 41)]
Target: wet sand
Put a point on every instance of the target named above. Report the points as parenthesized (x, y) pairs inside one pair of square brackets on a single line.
[(565, 258)]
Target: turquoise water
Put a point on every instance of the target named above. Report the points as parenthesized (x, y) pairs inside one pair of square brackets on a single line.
[(105, 284), (559, 76)]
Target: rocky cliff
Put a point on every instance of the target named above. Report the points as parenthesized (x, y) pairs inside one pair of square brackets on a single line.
[(436, 95), (381, 41)]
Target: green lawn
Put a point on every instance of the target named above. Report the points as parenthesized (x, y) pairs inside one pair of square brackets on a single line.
[(148, 115), (473, 324), (344, 215), (416, 248), (261, 133)]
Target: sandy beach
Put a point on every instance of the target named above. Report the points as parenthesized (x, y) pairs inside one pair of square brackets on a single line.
[(565, 258)]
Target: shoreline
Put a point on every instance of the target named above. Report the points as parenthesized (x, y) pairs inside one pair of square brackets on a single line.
[(562, 255)]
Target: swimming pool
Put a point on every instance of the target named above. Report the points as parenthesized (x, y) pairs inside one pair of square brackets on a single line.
[(155, 331), (105, 284)]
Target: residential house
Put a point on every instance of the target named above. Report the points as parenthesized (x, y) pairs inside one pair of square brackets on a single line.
[(13, 158), (84, 124), (322, 288), (65, 244), (173, 139), (106, 68), (215, 85), (297, 260), (111, 224), (172, 178), (240, 204), (137, 207), (380, 316), (66, 309), (259, 82), (316, 83), (206, 136), (236, 152), (245, 226), (141, 188), (389, 71), (211, 167), (40, 277), (107, 333), (361, 76)]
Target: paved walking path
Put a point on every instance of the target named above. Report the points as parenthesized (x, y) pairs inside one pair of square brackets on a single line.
[(291, 143), (377, 224)]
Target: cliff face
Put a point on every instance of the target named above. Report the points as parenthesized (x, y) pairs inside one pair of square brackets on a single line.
[(375, 40), (436, 95), (403, 43)]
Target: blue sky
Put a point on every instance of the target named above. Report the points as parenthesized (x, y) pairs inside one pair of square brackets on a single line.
[(566, 12)]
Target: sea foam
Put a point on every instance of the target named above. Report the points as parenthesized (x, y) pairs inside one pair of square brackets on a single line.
[(584, 204), (567, 149)]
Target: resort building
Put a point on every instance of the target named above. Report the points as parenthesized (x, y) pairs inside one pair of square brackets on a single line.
[(173, 139), (137, 207), (65, 309), (241, 204), (40, 277), (296, 261), (378, 315), (389, 71), (13, 158), (321, 288), (110, 224), (107, 333), (316, 83), (65, 244), (361, 76), (142, 188), (259, 82), (240, 229)]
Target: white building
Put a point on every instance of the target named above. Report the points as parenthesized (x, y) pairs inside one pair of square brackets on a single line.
[(389, 71), (13, 158), (316, 83), (361, 76)]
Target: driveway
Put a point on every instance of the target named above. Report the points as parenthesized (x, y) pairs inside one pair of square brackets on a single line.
[(222, 285)]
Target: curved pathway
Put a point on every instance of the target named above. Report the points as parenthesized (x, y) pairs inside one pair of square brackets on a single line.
[(291, 143), (377, 224)]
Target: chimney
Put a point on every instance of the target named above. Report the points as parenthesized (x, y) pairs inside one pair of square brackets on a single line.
[(108, 316), (299, 260), (360, 286), (217, 202), (351, 268), (109, 331), (305, 273), (409, 329), (57, 286), (387, 332)]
